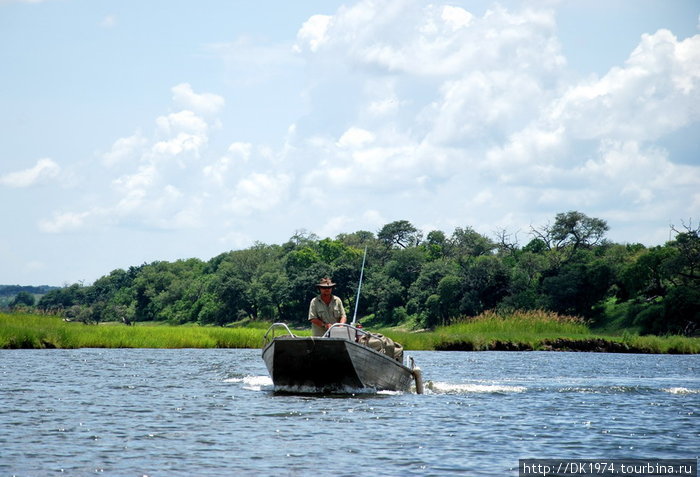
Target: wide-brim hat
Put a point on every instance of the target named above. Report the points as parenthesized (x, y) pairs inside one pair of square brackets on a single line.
[(325, 283)]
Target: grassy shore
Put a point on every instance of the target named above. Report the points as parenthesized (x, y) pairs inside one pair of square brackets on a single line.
[(536, 330), (33, 331), (515, 331)]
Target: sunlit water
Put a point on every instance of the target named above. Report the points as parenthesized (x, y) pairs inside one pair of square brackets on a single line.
[(213, 412)]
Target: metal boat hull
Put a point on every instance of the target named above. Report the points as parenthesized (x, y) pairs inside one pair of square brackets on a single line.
[(324, 364)]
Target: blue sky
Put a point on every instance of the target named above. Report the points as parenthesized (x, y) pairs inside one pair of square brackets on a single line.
[(137, 131)]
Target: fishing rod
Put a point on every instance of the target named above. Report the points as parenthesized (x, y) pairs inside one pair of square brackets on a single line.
[(359, 287)]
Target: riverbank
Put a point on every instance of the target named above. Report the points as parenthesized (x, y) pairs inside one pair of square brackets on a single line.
[(538, 331), (514, 332)]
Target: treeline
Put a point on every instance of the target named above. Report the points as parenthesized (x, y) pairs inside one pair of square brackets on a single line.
[(416, 279), (12, 296)]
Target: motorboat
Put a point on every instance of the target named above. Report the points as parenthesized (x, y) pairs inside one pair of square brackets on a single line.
[(346, 359)]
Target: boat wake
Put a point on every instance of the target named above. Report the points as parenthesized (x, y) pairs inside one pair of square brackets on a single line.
[(253, 383), (264, 383), (449, 388), (681, 391)]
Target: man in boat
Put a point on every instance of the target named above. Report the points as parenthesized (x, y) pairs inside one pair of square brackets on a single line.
[(326, 308)]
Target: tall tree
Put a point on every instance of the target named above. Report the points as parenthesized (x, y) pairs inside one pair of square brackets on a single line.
[(573, 229), (468, 242), (400, 233)]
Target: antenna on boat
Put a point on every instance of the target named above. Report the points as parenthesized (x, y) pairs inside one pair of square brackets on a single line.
[(359, 287)]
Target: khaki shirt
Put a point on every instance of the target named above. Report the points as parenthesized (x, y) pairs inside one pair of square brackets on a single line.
[(331, 313)]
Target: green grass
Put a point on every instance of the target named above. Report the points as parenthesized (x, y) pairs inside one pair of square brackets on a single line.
[(34, 331), (535, 330), (517, 330)]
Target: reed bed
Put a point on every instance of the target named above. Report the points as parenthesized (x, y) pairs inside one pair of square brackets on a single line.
[(505, 331), (536, 330), (516, 327), (481, 332), (32, 331)]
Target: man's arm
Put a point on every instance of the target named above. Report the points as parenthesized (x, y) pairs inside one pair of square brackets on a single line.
[(320, 324)]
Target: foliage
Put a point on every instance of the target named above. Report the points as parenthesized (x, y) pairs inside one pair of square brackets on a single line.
[(22, 298), (567, 268)]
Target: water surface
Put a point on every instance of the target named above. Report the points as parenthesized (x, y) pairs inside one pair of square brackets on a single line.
[(213, 412)]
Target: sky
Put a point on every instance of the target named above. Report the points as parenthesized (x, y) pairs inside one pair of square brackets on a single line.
[(135, 131)]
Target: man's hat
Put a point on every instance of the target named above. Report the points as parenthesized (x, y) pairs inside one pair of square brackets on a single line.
[(325, 283)]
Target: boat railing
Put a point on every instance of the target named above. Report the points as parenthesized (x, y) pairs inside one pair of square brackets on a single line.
[(345, 330), (270, 333)]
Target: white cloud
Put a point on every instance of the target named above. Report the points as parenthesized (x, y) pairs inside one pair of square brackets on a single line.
[(592, 137), (355, 138), (260, 192), (313, 32), (142, 179), (645, 170), (411, 37), (383, 106), (182, 143), (656, 92), (183, 121), (476, 102), (218, 171), (525, 150), (484, 104), (63, 222), (158, 186), (44, 171), (183, 132), (124, 149), (205, 103), (411, 108), (456, 17), (130, 203)]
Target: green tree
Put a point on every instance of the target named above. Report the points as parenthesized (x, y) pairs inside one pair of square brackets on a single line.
[(466, 242), (405, 265), (435, 245), (681, 311), (63, 298), (686, 263), (382, 296), (268, 292), (23, 298), (486, 283), (579, 285), (401, 234), (572, 229), (450, 290), (420, 303)]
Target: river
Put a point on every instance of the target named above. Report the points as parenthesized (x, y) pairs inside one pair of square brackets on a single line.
[(136, 412)]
